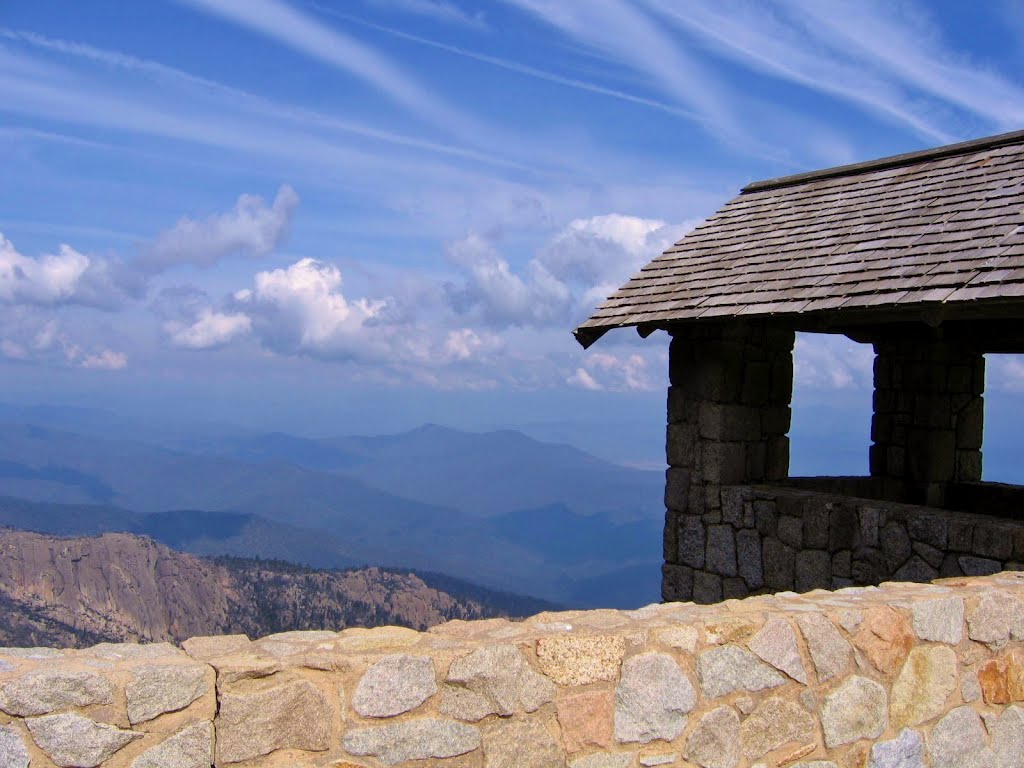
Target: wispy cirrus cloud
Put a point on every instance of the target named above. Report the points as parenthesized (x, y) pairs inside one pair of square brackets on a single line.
[(902, 41), (438, 10), (307, 35)]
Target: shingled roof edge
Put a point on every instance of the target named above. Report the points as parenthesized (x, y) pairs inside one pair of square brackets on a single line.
[(893, 161)]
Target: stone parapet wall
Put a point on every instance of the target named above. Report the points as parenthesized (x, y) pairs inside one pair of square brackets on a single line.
[(775, 538), (902, 676)]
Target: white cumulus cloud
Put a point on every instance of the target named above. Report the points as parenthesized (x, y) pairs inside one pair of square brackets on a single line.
[(250, 228), (209, 329), (65, 277)]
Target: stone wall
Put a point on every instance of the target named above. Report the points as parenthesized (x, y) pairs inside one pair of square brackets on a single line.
[(928, 417), (775, 538), (728, 415), (902, 676)]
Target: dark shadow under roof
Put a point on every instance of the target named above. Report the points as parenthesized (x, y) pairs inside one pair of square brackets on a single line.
[(943, 228)]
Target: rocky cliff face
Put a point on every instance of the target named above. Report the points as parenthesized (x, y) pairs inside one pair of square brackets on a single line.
[(118, 587)]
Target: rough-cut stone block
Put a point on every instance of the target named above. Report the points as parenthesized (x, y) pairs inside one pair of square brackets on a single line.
[(13, 752), (748, 557), (774, 723), (1002, 679), (191, 747), (992, 541), (940, 620), (830, 651), (776, 644), (677, 488), (395, 684), (417, 739), (206, 648), (42, 691), (928, 528), (294, 715), (855, 710), (928, 678), (715, 742), (676, 583), (691, 541), (493, 680), (707, 588), (580, 659), (842, 528), (73, 741), (766, 517), (916, 569), (603, 760), (779, 565), (586, 719), (154, 689), (1008, 738), (995, 619), (504, 741), (885, 638), (791, 531), (978, 566), (652, 699), (813, 570), (958, 741), (905, 751), (730, 668), (721, 550), (895, 545)]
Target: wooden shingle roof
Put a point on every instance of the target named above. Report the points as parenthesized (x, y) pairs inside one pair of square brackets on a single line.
[(943, 228)]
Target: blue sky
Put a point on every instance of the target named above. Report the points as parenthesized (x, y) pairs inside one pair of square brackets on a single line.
[(334, 217)]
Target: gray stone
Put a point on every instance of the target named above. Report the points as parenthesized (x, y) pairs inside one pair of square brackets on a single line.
[(813, 570), (774, 723), (48, 690), (766, 517), (941, 620), (715, 742), (707, 588), (895, 545), (791, 531), (816, 764), (993, 542), (158, 688), (855, 710), (748, 556), (191, 747), (13, 752), (292, 715), (869, 520), (905, 751), (395, 684), (73, 741), (779, 561), (958, 741), (648, 761), (970, 688), (691, 541), (494, 680), (603, 760), (978, 566), (830, 651), (997, 618), (652, 699), (776, 644), (419, 739), (932, 555), (916, 569), (505, 745), (1007, 739), (928, 529), (729, 668), (721, 550)]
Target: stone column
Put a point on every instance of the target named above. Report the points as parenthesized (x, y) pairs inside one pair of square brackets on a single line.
[(928, 414), (728, 416)]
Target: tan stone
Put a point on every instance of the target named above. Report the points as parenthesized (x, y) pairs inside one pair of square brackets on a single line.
[(682, 637), (526, 744), (1002, 679), (775, 723), (802, 751), (928, 678), (377, 638), (886, 638), (729, 629), (586, 719), (207, 648), (580, 659)]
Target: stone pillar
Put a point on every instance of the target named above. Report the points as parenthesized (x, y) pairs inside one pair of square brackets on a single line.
[(728, 416), (928, 415)]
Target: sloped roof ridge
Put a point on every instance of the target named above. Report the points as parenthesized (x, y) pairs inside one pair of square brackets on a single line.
[(894, 161)]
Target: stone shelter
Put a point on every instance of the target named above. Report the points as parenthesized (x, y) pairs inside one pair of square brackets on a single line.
[(920, 255)]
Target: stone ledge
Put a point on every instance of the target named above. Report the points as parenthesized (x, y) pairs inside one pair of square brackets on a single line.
[(896, 675)]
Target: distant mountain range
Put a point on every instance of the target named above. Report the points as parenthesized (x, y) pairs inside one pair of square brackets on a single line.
[(497, 509), (117, 587)]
